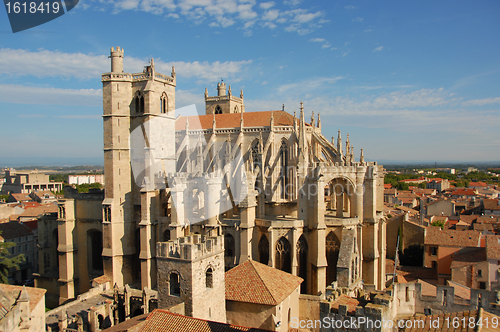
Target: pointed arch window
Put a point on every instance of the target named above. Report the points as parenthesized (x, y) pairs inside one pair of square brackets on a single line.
[(164, 103), (264, 250), (139, 102), (283, 255), (218, 110)]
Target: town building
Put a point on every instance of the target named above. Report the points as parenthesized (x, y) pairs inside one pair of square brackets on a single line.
[(16, 182)]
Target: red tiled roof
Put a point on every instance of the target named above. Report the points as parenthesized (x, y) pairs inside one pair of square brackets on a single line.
[(464, 192), (254, 282), (452, 238), (478, 184), (10, 230), (350, 302), (21, 197), (468, 218), (491, 204), (468, 258), (493, 246), (387, 186), (165, 321), (232, 120), (36, 211), (35, 294)]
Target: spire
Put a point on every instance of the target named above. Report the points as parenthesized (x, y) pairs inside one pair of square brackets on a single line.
[(206, 93), (333, 141), (312, 119), (352, 154), (241, 94), (295, 121), (173, 71), (339, 147), (362, 157), (272, 120), (319, 122), (347, 146), (241, 121), (229, 91)]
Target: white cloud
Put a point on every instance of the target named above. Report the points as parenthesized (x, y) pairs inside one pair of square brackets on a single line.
[(44, 63), (309, 84), (266, 5), (317, 40), (350, 7), (20, 94), (378, 49), (225, 13), (271, 15), (481, 102), (358, 19)]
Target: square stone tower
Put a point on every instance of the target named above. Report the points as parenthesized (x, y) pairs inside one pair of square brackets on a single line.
[(224, 102), (130, 101), (191, 270)]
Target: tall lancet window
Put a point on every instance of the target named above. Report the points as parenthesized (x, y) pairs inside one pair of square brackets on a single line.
[(163, 103), (284, 178)]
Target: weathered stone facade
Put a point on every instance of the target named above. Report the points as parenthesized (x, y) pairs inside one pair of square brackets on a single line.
[(198, 270), (309, 206)]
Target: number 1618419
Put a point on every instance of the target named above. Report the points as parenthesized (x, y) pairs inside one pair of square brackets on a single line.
[(32, 7)]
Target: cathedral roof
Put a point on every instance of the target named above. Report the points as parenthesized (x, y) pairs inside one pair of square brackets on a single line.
[(232, 120), (163, 320), (254, 282)]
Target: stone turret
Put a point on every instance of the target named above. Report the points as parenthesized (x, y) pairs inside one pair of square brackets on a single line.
[(116, 60), (221, 89)]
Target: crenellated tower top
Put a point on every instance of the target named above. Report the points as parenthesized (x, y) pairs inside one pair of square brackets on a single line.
[(116, 59)]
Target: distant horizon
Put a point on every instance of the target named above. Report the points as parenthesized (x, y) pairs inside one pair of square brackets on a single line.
[(35, 162)]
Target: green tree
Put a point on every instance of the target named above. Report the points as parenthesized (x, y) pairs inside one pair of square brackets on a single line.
[(438, 223), (6, 263)]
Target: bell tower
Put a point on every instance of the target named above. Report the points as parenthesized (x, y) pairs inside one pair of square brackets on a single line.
[(130, 101), (224, 102)]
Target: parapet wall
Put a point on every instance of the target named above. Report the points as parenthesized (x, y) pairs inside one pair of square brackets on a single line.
[(192, 247)]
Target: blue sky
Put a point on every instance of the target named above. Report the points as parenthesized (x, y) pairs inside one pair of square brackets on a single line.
[(409, 81)]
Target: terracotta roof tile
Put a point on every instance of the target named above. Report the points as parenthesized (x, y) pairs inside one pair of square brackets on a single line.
[(36, 211), (254, 282), (452, 238), (21, 197), (13, 229), (350, 302), (468, 258), (35, 294), (491, 204), (165, 321), (232, 120), (493, 246)]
